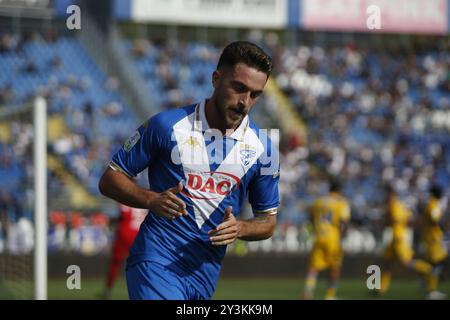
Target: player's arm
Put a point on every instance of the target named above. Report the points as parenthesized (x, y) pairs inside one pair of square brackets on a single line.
[(264, 199), (118, 186), (345, 215), (309, 213), (136, 154), (444, 222), (260, 227), (257, 228), (387, 219), (344, 228)]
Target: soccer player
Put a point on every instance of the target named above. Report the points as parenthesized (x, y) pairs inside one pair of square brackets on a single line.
[(329, 216), (398, 217), (129, 221), (203, 161), (435, 251)]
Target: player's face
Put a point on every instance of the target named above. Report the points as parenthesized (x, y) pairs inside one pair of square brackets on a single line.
[(236, 91)]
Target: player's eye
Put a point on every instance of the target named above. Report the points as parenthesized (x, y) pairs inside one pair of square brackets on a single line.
[(255, 94), (239, 87)]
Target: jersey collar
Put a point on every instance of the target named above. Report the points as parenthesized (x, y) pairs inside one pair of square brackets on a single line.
[(200, 122)]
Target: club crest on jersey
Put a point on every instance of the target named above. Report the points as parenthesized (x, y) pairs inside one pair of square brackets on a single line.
[(247, 153), (210, 185), (131, 141), (192, 141)]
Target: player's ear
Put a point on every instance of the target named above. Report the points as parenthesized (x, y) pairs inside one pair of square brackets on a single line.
[(216, 79)]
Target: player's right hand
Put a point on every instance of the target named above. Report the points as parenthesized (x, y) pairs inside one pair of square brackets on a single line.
[(167, 204)]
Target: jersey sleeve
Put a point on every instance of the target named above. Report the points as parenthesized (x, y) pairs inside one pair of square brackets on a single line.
[(139, 150), (434, 212), (345, 211), (263, 192)]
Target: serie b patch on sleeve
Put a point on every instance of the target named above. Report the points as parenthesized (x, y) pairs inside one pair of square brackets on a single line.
[(131, 141)]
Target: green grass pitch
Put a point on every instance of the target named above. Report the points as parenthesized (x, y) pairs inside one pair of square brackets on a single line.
[(265, 289), (229, 289)]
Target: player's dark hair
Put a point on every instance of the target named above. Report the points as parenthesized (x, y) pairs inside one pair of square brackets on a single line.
[(248, 53), (436, 191), (335, 185), (390, 190)]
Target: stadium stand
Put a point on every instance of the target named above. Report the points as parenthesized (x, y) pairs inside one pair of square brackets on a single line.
[(81, 97), (352, 130), (356, 124)]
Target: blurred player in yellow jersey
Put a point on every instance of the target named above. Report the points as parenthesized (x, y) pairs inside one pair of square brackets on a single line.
[(435, 251), (398, 217), (329, 215)]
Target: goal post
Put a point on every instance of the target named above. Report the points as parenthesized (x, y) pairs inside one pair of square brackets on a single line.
[(23, 263), (40, 204)]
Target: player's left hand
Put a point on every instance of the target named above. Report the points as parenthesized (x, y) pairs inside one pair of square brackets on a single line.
[(226, 232)]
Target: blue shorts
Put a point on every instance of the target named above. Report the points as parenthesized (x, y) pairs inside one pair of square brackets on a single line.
[(150, 280)]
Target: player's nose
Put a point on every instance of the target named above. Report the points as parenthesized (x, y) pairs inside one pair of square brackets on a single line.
[(243, 106), (244, 101)]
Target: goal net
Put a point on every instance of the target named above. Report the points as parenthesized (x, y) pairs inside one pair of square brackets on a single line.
[(23, 200)]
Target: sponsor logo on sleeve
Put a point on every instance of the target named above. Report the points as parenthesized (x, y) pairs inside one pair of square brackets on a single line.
[(131, 141)]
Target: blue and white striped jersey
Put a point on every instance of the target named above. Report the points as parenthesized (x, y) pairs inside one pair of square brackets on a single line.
[(218, 171)]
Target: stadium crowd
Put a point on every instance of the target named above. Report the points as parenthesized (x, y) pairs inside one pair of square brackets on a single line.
[(77, 91), (373, 116)]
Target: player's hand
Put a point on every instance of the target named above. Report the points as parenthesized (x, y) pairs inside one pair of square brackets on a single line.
[(226, 232), (167, 204)]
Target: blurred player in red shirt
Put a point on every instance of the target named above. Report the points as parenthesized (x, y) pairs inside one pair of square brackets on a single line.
[(129, 221)]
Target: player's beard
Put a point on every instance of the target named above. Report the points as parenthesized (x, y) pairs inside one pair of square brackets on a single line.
[(232, 115)]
